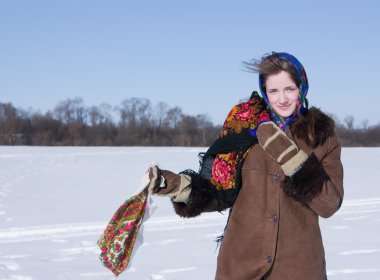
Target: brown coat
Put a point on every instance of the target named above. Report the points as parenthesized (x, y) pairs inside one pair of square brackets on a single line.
[(273, 232)]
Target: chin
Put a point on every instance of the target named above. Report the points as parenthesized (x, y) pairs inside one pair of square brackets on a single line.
[(284, 113)]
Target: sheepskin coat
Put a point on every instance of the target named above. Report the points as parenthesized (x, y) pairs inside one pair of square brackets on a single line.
[(273, 232)]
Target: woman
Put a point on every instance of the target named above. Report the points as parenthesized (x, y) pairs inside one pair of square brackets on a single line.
[(278, 164)]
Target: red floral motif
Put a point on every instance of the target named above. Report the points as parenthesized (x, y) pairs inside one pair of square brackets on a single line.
[(243, 116), (221, 171), (128, 226), (245, 113), (263, 116), (224, 171)]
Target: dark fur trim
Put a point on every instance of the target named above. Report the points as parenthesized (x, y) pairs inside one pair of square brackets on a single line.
[(307, 182), (315, 127), (202, 198)]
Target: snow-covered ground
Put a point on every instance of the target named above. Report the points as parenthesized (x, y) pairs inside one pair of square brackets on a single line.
[(55, 202)]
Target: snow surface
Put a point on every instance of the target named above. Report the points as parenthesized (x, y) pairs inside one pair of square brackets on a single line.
[(56, 201)]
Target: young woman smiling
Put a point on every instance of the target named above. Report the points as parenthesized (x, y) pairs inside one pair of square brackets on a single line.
[(277, 165)]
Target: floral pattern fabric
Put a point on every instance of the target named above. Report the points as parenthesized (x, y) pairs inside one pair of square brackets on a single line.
[(117, 241), (247, 115), (224, 170)]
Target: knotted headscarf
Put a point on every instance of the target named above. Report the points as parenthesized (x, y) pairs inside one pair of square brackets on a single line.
[(302, 104)]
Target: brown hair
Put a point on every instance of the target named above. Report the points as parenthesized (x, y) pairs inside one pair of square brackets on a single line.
[(271, 64)]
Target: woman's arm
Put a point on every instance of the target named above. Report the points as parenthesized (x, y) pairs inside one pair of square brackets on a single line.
[(203, 198), (319, 183), (190, 193)]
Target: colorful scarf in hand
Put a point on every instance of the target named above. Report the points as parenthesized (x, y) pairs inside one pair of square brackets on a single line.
[(303, 88), (123, 233)]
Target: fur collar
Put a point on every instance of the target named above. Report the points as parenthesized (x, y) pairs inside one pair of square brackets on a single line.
[(315, 127)]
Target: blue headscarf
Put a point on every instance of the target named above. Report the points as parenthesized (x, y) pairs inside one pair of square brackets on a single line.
[(303, 88)]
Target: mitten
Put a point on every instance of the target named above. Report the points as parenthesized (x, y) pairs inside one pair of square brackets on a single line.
[(280, 147), (167, 183)]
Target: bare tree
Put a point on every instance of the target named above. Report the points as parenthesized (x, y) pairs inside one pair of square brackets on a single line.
[(94, 115), (365, 124), (188, 130), (173, 117), (10, 124), (71, 110), (46, 129), (349, 121), (161, 111), (206, 130)]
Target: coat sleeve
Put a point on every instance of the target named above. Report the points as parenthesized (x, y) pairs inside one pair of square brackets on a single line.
[(203, 198), (319, 183)]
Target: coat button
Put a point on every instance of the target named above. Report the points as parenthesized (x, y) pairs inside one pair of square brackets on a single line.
[(276, 176), (274, 218), (269, 259)]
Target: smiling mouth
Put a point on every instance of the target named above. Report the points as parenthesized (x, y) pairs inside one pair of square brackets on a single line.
[(284, 107)]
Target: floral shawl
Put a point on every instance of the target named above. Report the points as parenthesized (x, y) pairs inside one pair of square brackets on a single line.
[(222, 162), (124, 232)]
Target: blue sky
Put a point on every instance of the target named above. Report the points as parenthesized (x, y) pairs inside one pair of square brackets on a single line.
[(187, 53)]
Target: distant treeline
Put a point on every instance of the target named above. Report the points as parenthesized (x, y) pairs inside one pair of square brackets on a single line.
[(135, 122)]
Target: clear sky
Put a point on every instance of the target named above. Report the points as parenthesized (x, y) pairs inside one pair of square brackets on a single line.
[(187, 53)]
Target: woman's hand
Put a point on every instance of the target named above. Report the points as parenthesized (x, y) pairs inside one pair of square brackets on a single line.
[(167, 183), (280, 147)]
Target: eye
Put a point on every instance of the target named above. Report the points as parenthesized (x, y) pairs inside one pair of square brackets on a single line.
[(272, 92), (290, 89)]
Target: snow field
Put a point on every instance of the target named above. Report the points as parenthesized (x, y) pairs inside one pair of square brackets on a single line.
[(55, 202)]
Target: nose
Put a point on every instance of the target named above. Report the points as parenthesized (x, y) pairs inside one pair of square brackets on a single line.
[(283, 98)]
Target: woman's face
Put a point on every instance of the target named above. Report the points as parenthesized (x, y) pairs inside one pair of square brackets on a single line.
[(282, 93)]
